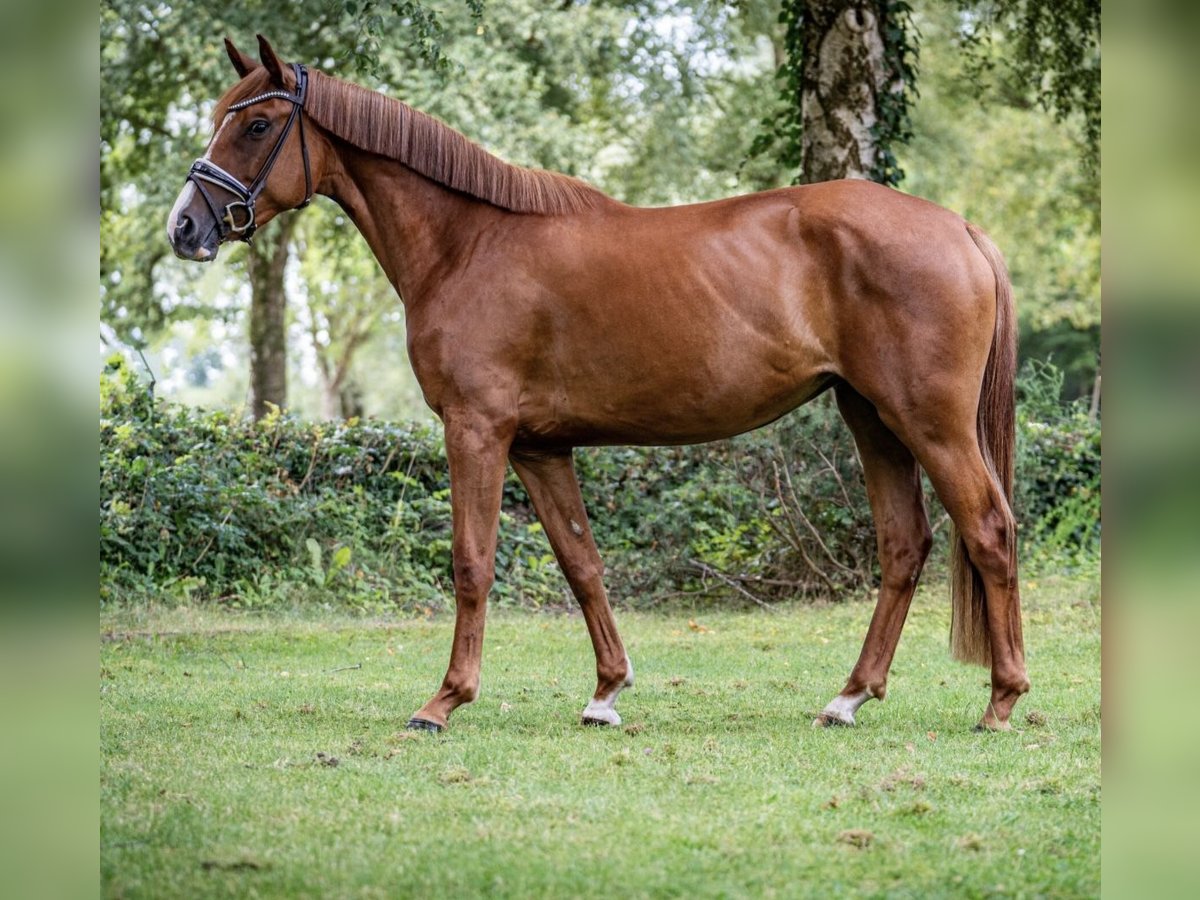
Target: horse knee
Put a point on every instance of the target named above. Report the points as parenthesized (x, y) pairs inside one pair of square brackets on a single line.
[(473, 577), (583, 571), (902, 561)]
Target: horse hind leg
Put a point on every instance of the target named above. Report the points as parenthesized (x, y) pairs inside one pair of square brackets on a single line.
[(554, 488), (903, 540), (988, 617)]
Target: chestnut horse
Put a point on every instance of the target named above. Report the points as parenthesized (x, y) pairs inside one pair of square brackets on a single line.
[(543, 315)]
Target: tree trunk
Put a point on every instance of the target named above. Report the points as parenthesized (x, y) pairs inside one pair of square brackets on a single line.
[(342, 401), (844, 75), (267, 260)]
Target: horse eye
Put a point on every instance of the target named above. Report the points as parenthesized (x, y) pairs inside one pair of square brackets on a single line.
[(258, 127)]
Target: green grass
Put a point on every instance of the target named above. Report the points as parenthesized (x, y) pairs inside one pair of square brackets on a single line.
[(212, 784)]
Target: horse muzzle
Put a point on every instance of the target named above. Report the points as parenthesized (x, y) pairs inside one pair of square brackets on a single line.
[(192, 230), (193, 241)]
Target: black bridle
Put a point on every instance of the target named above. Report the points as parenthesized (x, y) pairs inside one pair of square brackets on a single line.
[(203, 170)]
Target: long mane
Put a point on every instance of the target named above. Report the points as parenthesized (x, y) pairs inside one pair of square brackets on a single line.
[(390, 128)]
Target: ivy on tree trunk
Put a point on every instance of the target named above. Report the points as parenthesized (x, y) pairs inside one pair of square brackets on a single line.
[(847, 82)]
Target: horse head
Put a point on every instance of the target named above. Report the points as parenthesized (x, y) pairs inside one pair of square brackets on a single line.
[(257, 164)]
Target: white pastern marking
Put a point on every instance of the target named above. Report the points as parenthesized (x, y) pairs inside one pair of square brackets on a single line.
[(604, 708), (844, 706)]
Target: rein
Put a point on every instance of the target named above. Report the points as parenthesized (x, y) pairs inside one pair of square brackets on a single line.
[(204, 170)]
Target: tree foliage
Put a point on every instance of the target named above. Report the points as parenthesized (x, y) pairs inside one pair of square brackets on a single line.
[(1011, 168), (1047, 50)]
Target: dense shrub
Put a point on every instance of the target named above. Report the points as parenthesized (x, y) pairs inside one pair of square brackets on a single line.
[(198, 505), (1058, 473)]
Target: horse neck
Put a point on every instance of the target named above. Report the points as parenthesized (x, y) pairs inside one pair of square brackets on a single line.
[(416, 227)]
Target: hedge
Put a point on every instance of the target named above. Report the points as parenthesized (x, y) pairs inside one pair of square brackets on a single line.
[(204, 506)]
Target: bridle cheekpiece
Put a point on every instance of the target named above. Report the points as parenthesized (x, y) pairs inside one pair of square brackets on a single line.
[(204, 170)]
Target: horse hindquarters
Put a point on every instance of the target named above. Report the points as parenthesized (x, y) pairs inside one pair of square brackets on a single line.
[(943, 386)]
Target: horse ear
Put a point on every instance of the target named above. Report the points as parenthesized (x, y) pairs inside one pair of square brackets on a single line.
[(271, 61), (241, 62)]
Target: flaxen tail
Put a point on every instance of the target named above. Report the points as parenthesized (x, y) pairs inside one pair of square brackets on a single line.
[(996, 424)]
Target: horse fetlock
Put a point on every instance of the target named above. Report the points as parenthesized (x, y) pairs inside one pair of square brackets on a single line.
[(1013, 682), (1000, 707), (612, 679), (467, 693), (456, 693)]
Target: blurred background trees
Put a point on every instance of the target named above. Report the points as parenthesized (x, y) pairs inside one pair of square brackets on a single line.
[(989, 107)]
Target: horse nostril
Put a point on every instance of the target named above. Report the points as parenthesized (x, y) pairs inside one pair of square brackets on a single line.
[(185, 228)]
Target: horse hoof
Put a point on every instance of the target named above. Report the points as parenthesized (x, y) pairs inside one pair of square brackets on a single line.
[(829, 720), (597, 723), (415, 724), (991, 727)]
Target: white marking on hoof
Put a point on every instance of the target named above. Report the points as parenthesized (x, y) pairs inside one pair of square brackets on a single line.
[(841, 709), (602, 710)]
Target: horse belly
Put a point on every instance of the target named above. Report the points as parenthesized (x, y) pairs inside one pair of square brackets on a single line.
[(672, 388)]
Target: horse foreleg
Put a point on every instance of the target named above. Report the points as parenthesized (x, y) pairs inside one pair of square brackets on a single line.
[(476, 453), (553, 487), (903, 539)]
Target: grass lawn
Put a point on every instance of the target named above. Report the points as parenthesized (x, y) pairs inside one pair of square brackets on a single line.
[(264, 756)]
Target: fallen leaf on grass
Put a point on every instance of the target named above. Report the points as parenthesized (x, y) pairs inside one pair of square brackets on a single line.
[(970, 842), (857, 837), (1035, 718), (231, 866), (902, 776)]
